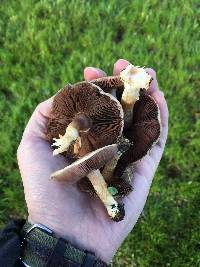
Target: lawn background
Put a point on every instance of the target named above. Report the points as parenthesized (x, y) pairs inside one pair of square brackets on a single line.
[(45, 44)]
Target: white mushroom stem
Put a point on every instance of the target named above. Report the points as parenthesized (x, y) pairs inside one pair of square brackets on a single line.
[(134, 78), (124, 145), (109, 168), (64, 141), (101, 189), (80, 123)]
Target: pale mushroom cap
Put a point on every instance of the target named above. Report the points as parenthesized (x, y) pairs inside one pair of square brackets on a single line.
[(81, 167)]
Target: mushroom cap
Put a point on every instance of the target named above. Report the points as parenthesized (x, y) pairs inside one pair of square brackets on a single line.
[(143, 133), (108, 83), (104, 111), (81, 167)]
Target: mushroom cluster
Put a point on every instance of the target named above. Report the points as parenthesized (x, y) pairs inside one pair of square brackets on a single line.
[(104, 125)]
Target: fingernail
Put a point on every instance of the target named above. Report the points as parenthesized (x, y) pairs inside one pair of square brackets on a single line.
[(95, 70)]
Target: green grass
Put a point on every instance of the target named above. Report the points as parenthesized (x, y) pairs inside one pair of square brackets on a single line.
[(45, 44)]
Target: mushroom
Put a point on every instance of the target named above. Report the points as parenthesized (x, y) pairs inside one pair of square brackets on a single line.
[(134, 78), (89, 166), (91, 161), (83, 119), (128, 85), (119, 187), (143, 133), (86, 118)]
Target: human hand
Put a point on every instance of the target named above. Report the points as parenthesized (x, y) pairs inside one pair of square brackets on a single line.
[(70, 213)]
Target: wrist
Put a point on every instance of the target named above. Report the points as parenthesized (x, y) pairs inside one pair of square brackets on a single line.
[(103, 252), (41, 248)]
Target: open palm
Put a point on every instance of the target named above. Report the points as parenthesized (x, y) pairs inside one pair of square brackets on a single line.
[(70, 213)]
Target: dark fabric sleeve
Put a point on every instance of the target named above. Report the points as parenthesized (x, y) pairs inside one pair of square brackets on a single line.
[(10, 244), (11, 250)]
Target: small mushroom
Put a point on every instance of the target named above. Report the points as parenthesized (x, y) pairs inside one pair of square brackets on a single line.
[(134, 79), (127, 85), (91, 161), (143, 133), (89, 166), (119, 186), (85, 118)]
